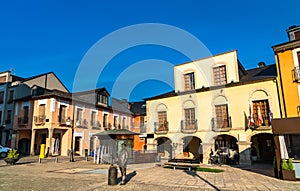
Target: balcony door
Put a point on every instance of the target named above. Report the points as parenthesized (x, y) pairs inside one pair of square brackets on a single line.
[(222, 116)]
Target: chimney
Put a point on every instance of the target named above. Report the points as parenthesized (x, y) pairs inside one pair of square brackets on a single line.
[(261, 64)]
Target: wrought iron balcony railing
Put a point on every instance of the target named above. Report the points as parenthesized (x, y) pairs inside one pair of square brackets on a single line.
[(221, 124), (161, 128), (189, 126), (39, 119), (62, 120), (22, 121)]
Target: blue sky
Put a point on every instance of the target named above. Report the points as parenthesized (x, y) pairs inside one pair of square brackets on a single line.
[(42, 36)]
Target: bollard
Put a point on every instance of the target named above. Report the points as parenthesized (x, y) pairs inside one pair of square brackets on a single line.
[(40, 160), (56, 159), (112, 175)]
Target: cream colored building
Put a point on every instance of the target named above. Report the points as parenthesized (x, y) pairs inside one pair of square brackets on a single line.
[(216, 104)]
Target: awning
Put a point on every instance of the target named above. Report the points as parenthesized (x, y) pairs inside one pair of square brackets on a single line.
[(116, 132), (283, 151), (285, 126)]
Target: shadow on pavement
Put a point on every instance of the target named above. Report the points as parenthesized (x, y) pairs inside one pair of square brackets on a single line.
[(259, 168), (128, 177), (194, 174)]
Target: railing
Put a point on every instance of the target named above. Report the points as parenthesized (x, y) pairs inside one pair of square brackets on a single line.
[(62, 120), (221, 124), (189, 126), (96, 125), (39, 120), (22, 120), (82, 124), (7, 121), (296, 74), (264, 124), (161, 128)]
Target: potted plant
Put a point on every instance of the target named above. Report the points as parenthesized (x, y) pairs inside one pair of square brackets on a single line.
[(288, 172), (12, 157)]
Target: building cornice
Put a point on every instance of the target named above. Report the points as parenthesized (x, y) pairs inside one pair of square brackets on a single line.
[(286, 46)]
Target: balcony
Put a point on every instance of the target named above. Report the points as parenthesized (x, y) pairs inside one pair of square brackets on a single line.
[(265, 125), (161, 128), (296, 74), (221, 125), (8, 121), (39, 120), (62, 120), (189, 126), (82, 124), (96, 125), (22, 121)]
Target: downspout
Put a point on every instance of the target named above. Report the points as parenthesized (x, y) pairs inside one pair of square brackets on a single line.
[(278, 96), (282, 92)]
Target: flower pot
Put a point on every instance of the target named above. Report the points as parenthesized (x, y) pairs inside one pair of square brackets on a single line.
[(11, 161), (288, 175)]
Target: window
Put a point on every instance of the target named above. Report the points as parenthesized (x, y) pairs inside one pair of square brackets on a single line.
[(189, 115), (93, 118), (293, 145), (142, 121), (105, 120), (79, 116), (25, 114), (298, 55), (219, 75), (297, 35), (124, 123), (62, 114), (42, 109), (1, 97), (116, 121), (0, 117), (101, 99), (8, 117), (222, 116), (261, 113), (189, 81), (162, 120), (11, 96)]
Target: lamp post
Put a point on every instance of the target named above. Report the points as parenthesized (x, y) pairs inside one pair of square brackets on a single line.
[(70, 124)]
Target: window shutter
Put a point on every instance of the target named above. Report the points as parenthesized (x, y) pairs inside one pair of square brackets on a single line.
[(52, 105)]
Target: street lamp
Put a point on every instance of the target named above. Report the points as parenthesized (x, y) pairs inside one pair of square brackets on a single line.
[(69, 123)]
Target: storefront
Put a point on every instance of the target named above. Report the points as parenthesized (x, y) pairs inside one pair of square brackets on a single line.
[(287, 142)]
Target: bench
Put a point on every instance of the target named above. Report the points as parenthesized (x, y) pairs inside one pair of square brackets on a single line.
[(175, 165)]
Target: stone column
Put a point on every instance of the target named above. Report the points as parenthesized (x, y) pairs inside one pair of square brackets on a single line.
[(245, 152), (206, 150), (50, 145), (32, 153)]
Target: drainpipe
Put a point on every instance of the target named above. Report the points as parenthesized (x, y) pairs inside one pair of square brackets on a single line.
[(282, 92), (278, 96)]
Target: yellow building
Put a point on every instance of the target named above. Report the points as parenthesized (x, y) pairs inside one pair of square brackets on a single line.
[(216, 105), (286, 128)]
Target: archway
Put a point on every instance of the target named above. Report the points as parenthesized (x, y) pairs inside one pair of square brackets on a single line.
[(24, 146), (226, 142), (164, 147), (192, 148), (262, 146)]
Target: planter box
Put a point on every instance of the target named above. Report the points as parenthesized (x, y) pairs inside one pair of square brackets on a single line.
[(288, 175), (11, 161)]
